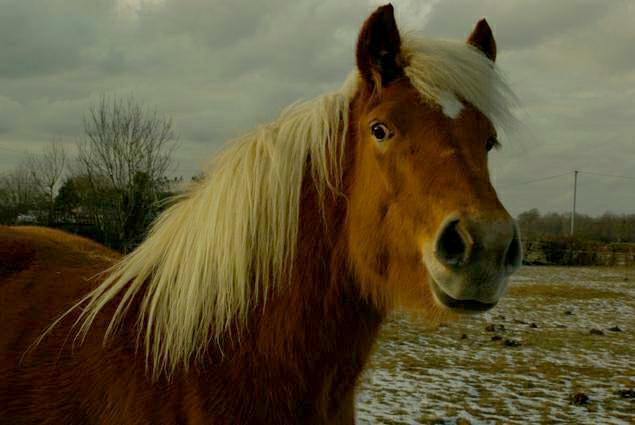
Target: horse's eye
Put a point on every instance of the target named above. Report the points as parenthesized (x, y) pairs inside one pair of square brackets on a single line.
[(380, 132), (492, 143)]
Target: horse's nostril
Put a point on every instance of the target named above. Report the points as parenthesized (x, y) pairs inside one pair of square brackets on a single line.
[(514, 255), (452, 246)]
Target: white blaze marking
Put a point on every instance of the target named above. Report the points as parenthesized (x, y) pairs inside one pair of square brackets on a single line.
[(450, 105)]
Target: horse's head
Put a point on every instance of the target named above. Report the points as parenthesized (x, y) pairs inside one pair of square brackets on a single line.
[(424, 219)]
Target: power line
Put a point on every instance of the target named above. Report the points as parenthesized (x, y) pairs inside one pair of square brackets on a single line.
[(537, 180), (607, 175), (565, 174)]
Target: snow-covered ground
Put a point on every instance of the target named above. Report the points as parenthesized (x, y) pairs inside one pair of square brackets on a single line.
[(546, 354)]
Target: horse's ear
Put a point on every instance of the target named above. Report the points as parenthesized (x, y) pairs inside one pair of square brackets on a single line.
[(483, 39), (379, 48)]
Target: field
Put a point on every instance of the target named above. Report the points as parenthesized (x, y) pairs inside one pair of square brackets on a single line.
[(559, 348)]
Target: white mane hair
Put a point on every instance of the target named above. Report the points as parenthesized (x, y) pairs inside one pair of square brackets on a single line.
[(438, 67), (216, 253)]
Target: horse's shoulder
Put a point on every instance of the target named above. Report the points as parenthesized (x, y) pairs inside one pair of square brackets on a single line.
[(21, 246), (16, 251)]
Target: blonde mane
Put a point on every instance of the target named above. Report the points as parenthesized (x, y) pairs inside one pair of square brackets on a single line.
[(216, 253)]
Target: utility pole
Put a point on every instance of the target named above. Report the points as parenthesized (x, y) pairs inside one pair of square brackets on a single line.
[(575, 189)]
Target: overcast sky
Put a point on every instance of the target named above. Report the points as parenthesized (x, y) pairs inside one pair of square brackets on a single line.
[(220, 67)]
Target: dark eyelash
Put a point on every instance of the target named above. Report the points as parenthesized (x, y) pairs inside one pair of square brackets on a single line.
[(493, 143)]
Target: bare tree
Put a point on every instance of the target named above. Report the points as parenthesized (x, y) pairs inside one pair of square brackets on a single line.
[(18, 193), (47, 170), (608, 227), (125, 153)]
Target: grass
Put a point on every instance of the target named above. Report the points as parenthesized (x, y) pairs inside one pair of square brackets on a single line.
[(426, 376), (560, 291)]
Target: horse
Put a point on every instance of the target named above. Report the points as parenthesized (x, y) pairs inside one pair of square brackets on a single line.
[(257, 297)]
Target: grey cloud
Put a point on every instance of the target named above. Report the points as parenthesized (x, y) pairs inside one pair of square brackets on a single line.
[(10, 111), (45, 37), (221, 67), (521, 24)]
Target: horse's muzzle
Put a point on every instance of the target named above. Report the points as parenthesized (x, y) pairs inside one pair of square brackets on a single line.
[(470, 261)]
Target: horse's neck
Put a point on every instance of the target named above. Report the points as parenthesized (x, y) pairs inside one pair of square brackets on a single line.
[(323, 299), (310, 340)]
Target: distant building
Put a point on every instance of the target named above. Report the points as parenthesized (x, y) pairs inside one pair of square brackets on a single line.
[(26, 219)]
